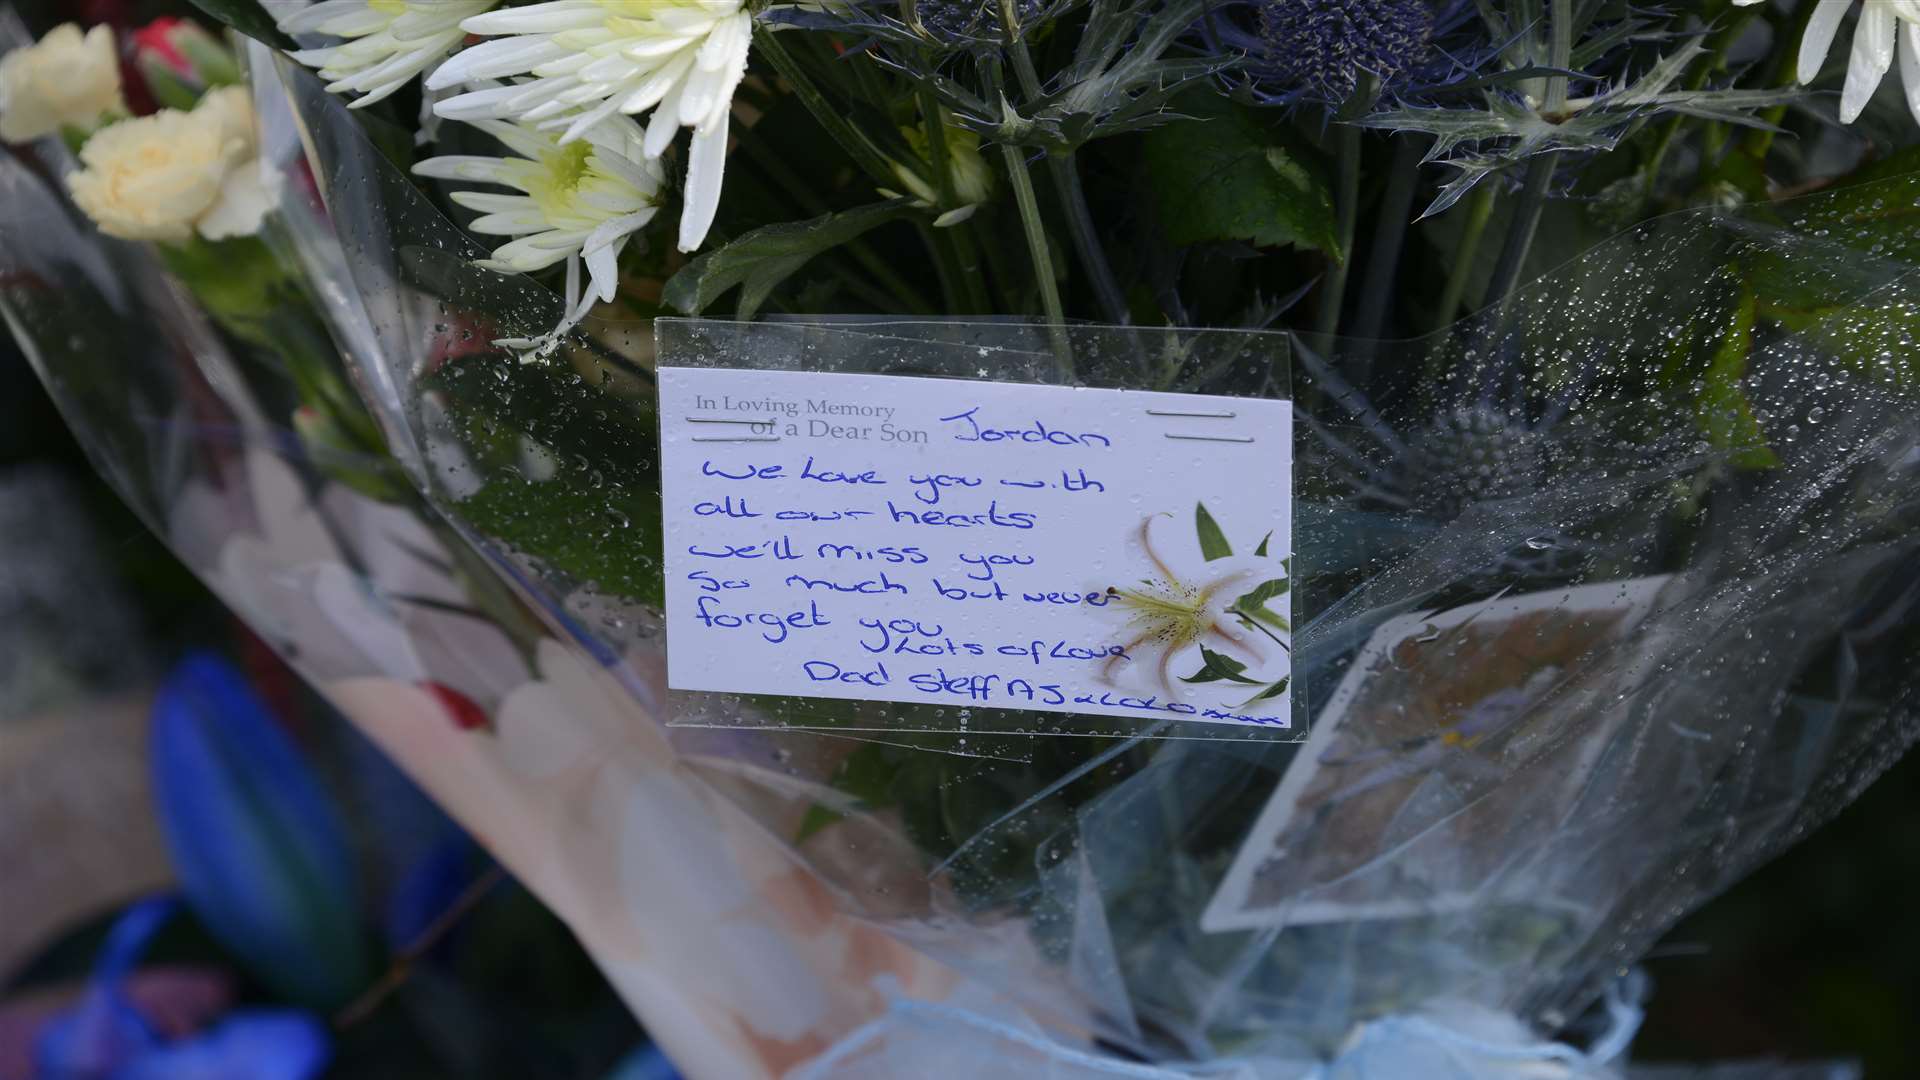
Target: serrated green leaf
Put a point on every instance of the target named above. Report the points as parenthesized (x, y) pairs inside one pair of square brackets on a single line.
[(1213, 542), (1223, 175), (760, 260)]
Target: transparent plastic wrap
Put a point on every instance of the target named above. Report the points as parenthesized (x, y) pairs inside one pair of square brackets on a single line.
[(1596, 600), (1603, 596), (250, 454)]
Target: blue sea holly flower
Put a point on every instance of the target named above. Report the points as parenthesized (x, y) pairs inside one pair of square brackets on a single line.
[(104, 1036), (259, 844), (1319, 49)]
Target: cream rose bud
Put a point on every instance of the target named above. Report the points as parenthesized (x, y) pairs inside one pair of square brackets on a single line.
[(161, 177), (65, 79)]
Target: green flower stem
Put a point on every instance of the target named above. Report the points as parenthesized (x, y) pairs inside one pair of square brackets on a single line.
[(959, 257), (1540, 167), (1038, 251), (966, 255), (1000, 258), (1560, 25), (850, 138), (1786, 48), (1526, 221), (1734, 23), (1479, 211), (783, 177), (1389, 237), (1064, 169), (941, 248), (1346, 208)]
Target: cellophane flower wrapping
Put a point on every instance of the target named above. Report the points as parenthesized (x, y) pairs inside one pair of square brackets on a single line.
[(1592, 611)]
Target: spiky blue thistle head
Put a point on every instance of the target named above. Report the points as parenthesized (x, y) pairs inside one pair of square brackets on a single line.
[(1320, 48), (977, 20)]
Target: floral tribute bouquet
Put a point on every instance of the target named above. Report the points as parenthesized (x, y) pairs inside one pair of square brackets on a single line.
[(1567, 570)]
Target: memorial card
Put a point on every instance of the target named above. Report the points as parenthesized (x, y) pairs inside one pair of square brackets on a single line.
[(977, 544)]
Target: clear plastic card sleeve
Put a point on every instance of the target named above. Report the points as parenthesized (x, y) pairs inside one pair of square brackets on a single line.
[(989, 527)]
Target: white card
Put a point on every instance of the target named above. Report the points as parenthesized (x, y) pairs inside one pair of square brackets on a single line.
[(977, 544)]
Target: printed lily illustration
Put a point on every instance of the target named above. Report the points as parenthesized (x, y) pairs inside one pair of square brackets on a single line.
[(1223, 600), (106, 1035)]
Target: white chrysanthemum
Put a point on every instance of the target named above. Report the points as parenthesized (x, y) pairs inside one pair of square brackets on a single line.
[(587, 60), (578, 201), (1886, 27), (387, 41)]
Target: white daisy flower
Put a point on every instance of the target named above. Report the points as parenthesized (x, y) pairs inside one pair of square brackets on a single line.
[(1882, 22), (587, 60), (387, 41), (577, 202)]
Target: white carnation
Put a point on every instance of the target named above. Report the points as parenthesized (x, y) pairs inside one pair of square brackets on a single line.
[(165, 176), (66, 79)]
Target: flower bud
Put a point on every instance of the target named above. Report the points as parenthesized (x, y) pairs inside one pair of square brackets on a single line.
[(972, 178), (180, 61)]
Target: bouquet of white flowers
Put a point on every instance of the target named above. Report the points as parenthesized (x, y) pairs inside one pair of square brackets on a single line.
[(1283, 675)]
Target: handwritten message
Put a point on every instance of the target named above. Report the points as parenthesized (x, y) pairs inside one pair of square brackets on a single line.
[(974, 544)]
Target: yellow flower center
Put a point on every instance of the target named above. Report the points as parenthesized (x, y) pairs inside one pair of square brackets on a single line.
[(1168, 611), (565, 167)]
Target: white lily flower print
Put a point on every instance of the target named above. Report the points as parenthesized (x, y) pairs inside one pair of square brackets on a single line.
[(1886, 28), (387, 42), (585, 61), (1183, 605), (578, 202)]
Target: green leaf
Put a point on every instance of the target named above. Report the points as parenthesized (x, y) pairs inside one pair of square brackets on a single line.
[(1720, 403), (1261, 551), (1253, 604), (1273, 691), (1723, 409), (1223, 175), (1213, 542), (612, 540), (1218, 667), (1874, 209), (1840, 304), (760, 260), (867, 774), (248, 17), (237, 279)]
